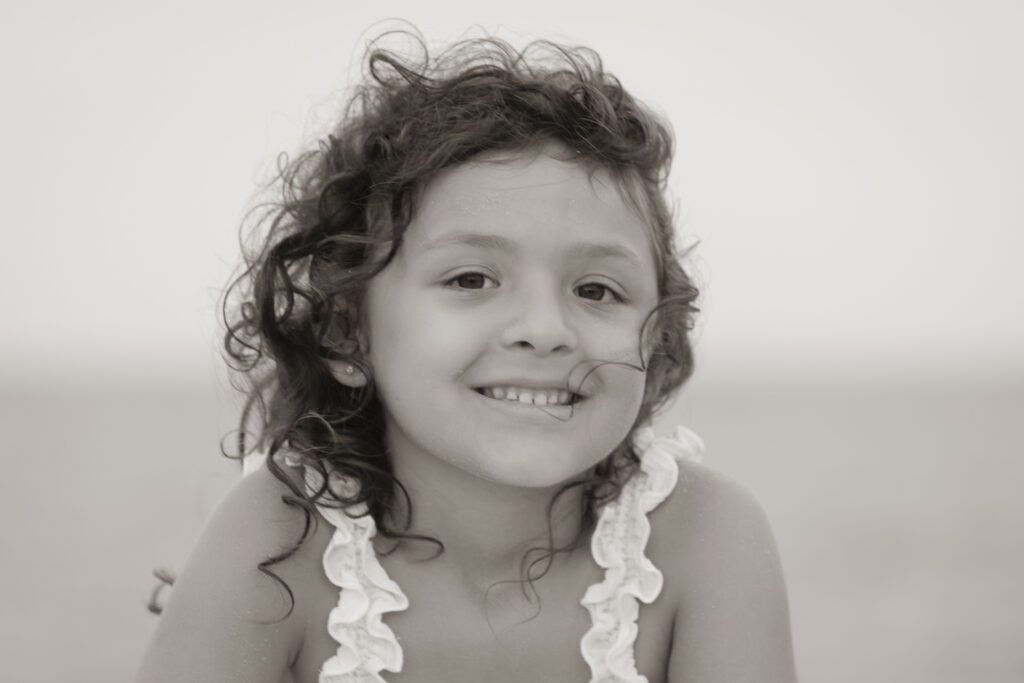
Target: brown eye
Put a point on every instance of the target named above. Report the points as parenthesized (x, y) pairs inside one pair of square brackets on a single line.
[(471, 280), (596, 292)]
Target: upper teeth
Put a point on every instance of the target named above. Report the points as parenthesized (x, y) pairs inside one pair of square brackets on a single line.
[(538, 397)]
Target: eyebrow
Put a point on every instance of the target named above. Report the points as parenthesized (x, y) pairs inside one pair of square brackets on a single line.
[(471, 239), (499, 243)]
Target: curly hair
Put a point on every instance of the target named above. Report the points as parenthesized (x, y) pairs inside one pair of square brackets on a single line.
[(340, 219)]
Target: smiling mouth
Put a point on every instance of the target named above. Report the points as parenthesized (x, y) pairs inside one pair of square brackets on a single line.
[(535, 397)]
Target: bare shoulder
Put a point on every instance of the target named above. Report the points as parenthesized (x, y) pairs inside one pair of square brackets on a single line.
[(225, 619), (713, 542)]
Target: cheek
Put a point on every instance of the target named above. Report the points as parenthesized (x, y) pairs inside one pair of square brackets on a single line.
[(622, 370), (617, 340), (417, 344)]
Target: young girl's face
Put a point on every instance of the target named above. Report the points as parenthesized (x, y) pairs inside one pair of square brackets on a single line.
[(517, 276)]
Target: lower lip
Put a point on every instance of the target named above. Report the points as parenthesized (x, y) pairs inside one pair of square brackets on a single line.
[(554, 414)]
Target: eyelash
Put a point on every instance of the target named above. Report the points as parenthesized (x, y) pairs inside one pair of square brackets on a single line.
[(449, 282), (617, 297)]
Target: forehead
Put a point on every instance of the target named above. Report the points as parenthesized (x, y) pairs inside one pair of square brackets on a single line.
[(530, 199)]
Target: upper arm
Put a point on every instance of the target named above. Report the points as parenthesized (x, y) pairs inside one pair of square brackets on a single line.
[(732, 621), (225, 619)]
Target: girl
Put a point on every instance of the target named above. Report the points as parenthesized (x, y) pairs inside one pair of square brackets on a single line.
[(465, 312)]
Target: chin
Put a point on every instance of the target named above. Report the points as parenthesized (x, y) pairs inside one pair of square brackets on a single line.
[(538, 470)]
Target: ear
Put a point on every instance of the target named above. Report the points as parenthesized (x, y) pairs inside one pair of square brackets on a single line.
[(347, 372), (340, 358)]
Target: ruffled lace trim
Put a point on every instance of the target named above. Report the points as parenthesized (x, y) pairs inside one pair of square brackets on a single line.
[(366, 645), (618, 546)]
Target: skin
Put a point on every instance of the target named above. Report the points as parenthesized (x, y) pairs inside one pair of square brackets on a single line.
[(493, 286), (448, 316)]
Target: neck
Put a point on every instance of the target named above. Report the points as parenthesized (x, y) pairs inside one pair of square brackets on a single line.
[(486, 527)]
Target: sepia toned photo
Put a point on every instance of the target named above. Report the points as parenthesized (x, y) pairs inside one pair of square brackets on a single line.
[(548, 342)]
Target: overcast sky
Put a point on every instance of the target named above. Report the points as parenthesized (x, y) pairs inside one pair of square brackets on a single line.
[(852, 171)]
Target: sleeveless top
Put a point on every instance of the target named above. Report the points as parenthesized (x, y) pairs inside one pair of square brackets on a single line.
[(367, 646)]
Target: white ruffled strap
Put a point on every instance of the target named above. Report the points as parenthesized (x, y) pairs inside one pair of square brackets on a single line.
[(366, 645), (683, 445), (618, 546)]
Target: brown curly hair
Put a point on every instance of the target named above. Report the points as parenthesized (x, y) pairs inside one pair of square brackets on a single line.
[(340, 219)]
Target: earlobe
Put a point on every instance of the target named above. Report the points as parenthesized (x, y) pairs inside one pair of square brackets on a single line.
[(339, 360), (347, 373)]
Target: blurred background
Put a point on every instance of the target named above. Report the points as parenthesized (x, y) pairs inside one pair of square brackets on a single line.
[(851, 171)]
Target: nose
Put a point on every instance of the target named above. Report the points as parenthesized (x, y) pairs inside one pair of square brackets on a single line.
[(539, 323)]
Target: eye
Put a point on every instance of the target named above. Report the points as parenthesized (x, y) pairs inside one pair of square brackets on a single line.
[(470, 280), (595, 291)]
